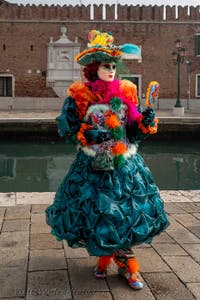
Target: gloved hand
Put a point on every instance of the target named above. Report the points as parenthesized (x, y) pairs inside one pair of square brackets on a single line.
[(148, 116), (97, 136)]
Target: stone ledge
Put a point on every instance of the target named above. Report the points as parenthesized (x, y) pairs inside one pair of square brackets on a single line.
[(12, 199)]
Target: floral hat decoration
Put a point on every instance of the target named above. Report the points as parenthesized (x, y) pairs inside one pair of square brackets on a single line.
[(101, 48)]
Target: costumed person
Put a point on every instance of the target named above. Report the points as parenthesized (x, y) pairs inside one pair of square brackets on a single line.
[(108, 201)]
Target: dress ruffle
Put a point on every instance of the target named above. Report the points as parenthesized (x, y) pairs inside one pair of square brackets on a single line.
[(107, 210)]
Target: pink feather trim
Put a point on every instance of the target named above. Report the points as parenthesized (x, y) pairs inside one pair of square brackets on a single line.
[(108, 90)]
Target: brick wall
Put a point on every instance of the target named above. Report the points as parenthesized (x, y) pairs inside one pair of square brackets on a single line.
[(82, 13), (26, 30)]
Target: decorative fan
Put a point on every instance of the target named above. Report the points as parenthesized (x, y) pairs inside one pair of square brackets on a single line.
[(152, 93)]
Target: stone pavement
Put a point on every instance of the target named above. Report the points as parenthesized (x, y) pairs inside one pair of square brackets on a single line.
[(34, 266)]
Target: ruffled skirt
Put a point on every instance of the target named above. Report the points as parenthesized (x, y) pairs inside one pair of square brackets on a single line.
[(107, 210)]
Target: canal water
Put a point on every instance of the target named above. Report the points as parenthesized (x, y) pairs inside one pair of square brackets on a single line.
[(40, 167)]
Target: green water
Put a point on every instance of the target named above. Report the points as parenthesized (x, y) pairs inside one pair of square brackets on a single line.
[(40, 167)]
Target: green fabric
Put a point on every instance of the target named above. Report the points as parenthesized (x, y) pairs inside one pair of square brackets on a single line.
[(68, 122), (105, 211)]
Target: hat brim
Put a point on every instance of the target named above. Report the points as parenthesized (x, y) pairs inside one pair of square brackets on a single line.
[(88, 57)]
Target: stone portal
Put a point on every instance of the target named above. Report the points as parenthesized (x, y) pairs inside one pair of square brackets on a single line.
[(61, 68)]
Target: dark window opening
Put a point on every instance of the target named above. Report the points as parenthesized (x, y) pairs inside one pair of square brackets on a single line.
[(198, 86), (4, 47), (5, 86), (44, 73), (197, 44), (31, 47)]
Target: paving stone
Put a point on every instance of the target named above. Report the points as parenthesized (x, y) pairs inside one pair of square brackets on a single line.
[(193, 250), (169, 249), (7, 199), (42, 241), (166, 286), (13, 249), (197, 215), (172, 208), (12, 298), (55, 297), (174, 225), (162, 238), (142, 246), (16, 225), (150, 261), (193, 195), (39, 208), (175, 196), (189, 207), (50, 285), (195, 289), (2, 213), (13, 256), (185, 267), (40, 228), (38, 224), (38, 218), (13, 282), (195, 230), (183, 236), (82, 278), (121, 290), (187, 220), (75, 252), (18, 212), (33, 198), (80, 295), (197, 204), (50, 259), (14, 239)]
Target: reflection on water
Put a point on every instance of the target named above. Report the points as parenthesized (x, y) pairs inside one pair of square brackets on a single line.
[(40, 167)]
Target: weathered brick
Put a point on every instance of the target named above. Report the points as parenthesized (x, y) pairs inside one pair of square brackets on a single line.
[(136, 24)]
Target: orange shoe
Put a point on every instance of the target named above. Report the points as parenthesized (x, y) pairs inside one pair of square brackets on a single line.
[(128, 267)]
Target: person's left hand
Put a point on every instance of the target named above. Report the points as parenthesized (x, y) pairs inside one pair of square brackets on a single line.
[(148, 116)]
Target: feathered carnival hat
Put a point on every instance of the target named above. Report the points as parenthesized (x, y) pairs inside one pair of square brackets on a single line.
[(101, 48)]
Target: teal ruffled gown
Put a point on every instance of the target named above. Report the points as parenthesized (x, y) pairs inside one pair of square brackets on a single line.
[(105, 210)]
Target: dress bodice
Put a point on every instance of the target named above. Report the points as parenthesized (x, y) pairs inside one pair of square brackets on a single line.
[(110, 119)]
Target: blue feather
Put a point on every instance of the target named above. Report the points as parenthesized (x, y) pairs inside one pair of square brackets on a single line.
[(130, 49)]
